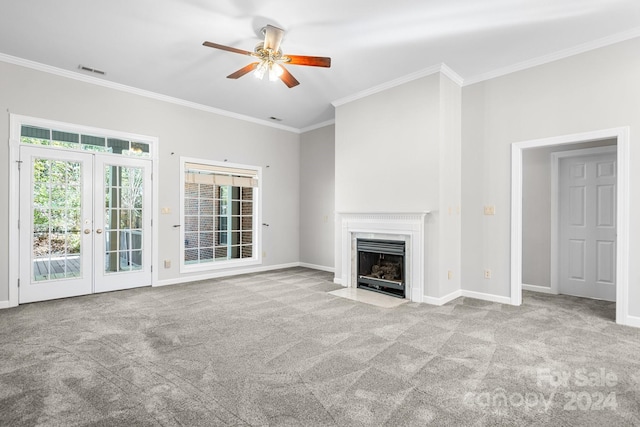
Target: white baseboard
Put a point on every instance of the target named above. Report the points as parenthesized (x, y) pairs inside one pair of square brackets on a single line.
[(218, 274), (487, 297), (442, 300), (338, 281), (537, 288), (632, 321), (4, 304), (317, 267)]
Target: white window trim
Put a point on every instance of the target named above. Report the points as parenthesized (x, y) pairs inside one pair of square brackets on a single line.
[(256, 259)]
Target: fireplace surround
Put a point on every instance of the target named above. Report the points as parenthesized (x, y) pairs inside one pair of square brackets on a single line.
[(400, 227)]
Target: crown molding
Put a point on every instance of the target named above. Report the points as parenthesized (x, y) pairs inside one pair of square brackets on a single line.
[(318, 126), (439, 68), (455, 77), (541, 60), (135, 91)]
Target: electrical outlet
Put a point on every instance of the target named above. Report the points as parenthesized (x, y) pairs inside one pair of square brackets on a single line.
[(450, 275), (489, 210), (167, 263), (165, 211), (264, 254), (487, 274)]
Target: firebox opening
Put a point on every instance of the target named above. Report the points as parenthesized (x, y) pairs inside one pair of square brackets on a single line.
[(381, 266)]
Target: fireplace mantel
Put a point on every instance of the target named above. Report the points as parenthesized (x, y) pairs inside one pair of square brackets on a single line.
[(406, 226)]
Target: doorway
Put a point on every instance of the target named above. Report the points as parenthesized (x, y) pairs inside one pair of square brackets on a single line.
[(621, 135), (83, 220), (81, 209)]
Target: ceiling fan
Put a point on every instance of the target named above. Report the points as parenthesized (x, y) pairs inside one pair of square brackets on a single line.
[(270, 58)]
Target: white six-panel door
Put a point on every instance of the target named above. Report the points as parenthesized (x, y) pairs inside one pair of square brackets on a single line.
[(587, 226)]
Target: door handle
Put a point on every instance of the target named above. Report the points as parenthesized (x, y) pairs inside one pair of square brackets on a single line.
[(87, 231), (99, 231)]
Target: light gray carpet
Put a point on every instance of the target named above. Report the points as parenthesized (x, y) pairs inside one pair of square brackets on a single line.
[(276, 349)]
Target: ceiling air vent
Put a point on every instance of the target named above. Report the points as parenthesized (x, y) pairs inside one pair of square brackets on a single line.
[(91, 70)]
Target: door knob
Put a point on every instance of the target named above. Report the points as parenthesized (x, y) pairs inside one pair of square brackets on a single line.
[(87, 231), (99, 231)]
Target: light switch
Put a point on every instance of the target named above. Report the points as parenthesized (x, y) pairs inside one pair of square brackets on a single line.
[(165, 211)]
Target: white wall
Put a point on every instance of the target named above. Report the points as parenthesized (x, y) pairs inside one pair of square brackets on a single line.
[(317, 196), (182, 131), (387, 150), (591, 91)]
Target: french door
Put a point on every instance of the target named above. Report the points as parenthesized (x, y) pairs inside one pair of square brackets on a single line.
[(85, 223)]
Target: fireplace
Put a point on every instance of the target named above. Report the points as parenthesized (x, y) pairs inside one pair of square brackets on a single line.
[(408, 228), (381, 266)]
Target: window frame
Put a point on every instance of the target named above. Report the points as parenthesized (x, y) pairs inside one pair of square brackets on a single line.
[(85, 133), (214, 265)]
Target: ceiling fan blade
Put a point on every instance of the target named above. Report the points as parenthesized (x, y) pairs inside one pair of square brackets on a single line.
[(272, 37), (227, 48), (244, 70), (313, 61), (288, 78)]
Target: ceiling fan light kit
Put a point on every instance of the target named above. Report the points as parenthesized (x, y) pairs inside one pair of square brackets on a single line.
[(270, 58)]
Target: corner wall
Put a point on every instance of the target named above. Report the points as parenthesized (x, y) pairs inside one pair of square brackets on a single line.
[(317, 197)]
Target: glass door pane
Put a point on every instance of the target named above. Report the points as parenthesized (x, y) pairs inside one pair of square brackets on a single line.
[(124, 193), (56, 223)]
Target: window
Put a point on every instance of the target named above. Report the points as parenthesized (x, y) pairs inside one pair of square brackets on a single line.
[(76, 141), (220, 214)]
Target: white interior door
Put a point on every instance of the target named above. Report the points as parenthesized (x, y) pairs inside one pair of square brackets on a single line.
[(85, 223), (587, 226)]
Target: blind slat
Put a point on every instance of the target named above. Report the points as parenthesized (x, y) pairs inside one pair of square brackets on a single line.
[(213, 179), (92, 140), (65, 136), (223, 170), (34, 132)]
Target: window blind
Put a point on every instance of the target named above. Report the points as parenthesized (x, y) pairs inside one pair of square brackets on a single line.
[(198, 173)]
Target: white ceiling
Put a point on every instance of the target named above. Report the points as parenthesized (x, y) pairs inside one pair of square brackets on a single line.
[(156, 45)]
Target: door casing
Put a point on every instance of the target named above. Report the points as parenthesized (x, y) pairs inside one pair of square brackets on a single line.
[(621, 134)]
